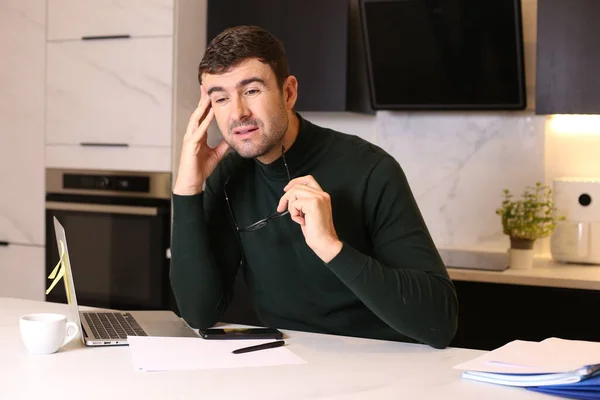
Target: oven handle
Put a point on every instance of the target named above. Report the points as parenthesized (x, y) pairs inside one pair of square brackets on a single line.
[(101, 208)]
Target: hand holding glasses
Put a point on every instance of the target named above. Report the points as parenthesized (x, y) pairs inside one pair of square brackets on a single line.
[(262, 222), (310, 208)]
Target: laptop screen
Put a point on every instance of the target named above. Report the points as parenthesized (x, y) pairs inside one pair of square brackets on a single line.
[(63, 251)]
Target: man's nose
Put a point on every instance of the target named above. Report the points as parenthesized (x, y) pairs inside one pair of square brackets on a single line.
[(240, 109)]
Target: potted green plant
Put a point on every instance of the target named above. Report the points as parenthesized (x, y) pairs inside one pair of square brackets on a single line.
[(526, 219)]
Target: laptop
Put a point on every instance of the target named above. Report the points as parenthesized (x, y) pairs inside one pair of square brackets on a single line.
[(110, 328)]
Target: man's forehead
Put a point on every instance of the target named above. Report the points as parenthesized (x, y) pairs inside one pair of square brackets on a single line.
[(240, 72)]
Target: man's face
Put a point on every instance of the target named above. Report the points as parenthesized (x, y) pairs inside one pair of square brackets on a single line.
[(249, 107)]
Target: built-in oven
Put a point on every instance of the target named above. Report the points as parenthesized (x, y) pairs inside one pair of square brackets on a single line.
[(118, 233)]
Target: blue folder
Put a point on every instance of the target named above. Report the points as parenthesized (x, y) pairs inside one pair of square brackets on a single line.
[(587, 389)]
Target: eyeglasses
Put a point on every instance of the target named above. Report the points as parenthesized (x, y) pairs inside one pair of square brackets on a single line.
[(262, 222)]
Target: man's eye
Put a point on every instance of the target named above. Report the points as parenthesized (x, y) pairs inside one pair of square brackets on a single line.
[(220, 100), (251, 92)]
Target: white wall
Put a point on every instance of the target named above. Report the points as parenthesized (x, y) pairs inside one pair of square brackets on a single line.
[(573, 146)]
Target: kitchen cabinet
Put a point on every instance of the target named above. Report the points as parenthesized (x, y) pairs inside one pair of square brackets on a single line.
[(122, 82), (22, 42), (74, 19), (110, 92), (22, 24), (568, 57), (321, 39), (493, 314), (22, 269), (134, 158)]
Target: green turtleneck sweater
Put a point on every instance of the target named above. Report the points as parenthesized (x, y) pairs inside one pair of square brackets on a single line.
[(388, 282)]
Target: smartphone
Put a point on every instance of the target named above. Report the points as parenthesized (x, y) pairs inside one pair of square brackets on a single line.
[(241, 333)]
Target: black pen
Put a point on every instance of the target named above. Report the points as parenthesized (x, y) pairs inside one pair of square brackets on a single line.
[(270, 345)]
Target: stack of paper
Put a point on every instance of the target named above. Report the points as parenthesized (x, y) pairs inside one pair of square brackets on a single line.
[(569, 368), (149, 353)]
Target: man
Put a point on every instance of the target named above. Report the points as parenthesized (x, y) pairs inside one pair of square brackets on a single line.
[(323, 224)]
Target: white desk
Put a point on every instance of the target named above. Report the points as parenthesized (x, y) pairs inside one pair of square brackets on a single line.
[(337, 368)]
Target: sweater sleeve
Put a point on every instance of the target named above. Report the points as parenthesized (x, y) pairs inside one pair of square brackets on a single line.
[(202, 272), (404, 281)]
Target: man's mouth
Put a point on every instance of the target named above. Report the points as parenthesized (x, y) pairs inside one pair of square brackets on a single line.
[(245, 130)]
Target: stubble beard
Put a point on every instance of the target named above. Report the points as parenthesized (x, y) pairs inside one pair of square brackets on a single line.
[(269, 140)]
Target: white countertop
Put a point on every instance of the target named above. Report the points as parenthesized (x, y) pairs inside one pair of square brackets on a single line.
[(549, 275), (336, 368), (489, 265)]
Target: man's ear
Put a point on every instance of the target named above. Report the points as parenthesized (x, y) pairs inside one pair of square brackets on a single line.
[(290, 91)]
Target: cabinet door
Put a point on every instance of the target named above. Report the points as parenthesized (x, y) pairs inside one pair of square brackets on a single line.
[(23, 270), (115, 92), (317, 56), (22, 122), (74, 19), (568, 57), (137, 158)]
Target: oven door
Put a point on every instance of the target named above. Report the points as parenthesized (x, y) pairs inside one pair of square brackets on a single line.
[(118, 252)]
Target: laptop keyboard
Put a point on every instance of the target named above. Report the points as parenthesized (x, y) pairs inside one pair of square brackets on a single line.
[(113, 325)]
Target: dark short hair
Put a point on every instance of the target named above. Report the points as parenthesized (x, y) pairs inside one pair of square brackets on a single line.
[(238, 43)]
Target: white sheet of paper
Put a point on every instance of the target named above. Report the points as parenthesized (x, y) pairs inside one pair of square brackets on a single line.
[(548, 356), (150, 353)]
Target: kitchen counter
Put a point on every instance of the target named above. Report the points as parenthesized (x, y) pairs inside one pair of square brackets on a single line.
[(490, 266), (499, 304)]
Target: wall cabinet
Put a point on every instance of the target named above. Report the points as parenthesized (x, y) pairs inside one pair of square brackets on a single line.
[(74, 19), (568, 57), (320, 39), (110, 92), (121, 82), (22, 148), (22, 122)]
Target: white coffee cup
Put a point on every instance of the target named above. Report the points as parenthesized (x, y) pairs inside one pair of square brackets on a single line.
[(45, 333)]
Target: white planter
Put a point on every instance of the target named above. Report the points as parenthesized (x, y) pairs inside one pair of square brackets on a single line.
[(520, 258)]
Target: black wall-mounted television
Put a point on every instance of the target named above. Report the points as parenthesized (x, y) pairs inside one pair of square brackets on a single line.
[(444, 54)]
